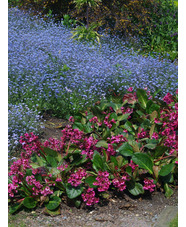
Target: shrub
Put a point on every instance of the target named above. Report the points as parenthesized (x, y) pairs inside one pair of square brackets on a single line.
[(129, 143)]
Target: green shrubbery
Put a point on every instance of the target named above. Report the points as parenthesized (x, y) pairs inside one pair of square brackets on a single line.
[(154, 22), (126, 144)]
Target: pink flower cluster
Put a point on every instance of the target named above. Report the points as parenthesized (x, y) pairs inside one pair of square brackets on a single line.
[(117, 139), (107, 122), (149, 185), (89, 197), (12, 188), (54, 144), (71, 119), (120, 182), (36, 185), (142, 134), (126, 111), (170, 128), (110, 150), (30, 143), (168, 98), (88, 146), (72, 135), (94, 120), (75, 178), (102, 181), (155, 136), (132, 165), (47, 191)]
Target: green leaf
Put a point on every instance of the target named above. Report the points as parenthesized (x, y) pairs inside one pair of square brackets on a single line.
[(73, 192), (150, 145), (160, 150), (114, 160), (51, 160), (106, 133), (50, 152), (120, 160), (15, 207), (128, 127), (78, 125), (126, 149), (143, 161), (168, 191), (54, 202), (98, 162), (123, 117), (153, 107), (78, 159), (90, 180), (134, 188), (102, 143), (142, 98), (166, 169), (113, 116), (29, 202), (52, 212)]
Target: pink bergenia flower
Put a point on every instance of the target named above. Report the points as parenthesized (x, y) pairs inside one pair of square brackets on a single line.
[(47, 191), (75, 178), (102, 181), (71, 119), (168, 98), (149, 185), (120, 182), (89, 197), (130, 89)]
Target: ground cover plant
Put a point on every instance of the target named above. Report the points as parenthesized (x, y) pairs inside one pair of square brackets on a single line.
[(48, 71), (129, 143)]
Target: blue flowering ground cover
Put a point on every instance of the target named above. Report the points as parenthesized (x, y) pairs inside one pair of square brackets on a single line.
[(48, 71)]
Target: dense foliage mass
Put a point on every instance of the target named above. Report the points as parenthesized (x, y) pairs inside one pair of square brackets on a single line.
[(155, 22), (129, 143)]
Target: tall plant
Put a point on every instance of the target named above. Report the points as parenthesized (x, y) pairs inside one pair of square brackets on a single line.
[(87, 32)]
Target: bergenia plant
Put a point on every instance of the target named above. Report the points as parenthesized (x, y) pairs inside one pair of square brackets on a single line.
[(127, 144)]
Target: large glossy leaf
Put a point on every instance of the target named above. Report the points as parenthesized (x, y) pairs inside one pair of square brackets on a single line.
[(90, 180), (51, 160), (50, 152), (15, 207), (143, 161), (142, 98), (73, 192), (102, 143), (125, 149), (54, 202), (166, 169), (29, 202), (98, 162)]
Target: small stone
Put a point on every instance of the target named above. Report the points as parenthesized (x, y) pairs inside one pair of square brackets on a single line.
[(137, 215)]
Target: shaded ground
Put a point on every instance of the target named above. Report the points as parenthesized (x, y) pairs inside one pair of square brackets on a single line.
[(125, 211)]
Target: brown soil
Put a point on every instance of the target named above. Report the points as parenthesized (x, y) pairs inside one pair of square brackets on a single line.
[(120, 211)]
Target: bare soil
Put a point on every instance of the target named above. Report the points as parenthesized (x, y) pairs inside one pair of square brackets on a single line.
[(122, 211)]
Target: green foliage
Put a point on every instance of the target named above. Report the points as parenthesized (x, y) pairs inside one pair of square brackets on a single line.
[(68, 22), (84, 33)]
